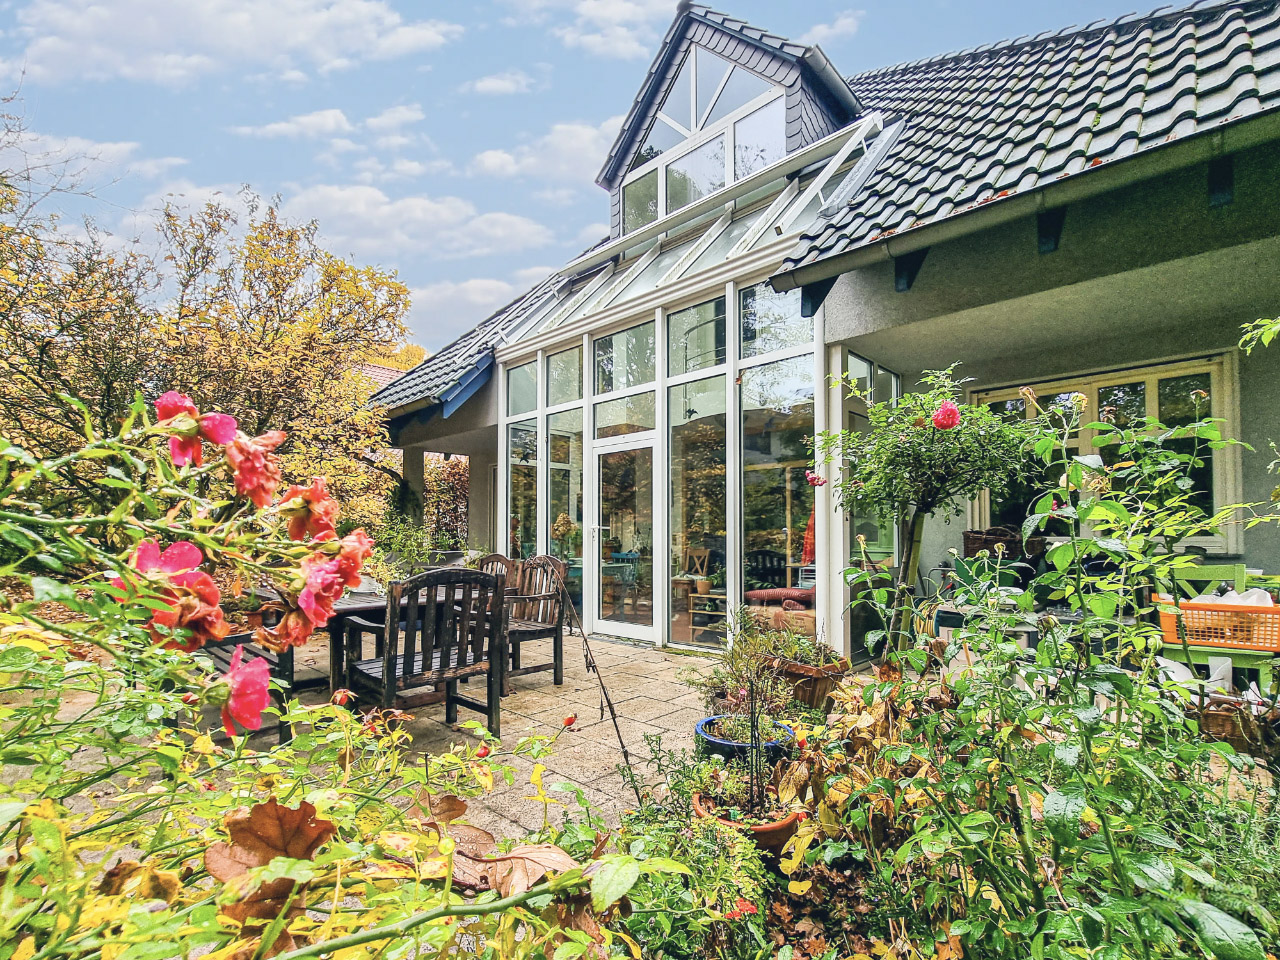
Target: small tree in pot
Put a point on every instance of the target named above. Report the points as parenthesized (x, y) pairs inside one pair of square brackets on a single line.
[(924, 454)]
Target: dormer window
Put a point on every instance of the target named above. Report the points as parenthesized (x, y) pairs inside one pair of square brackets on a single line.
[(718, 123)]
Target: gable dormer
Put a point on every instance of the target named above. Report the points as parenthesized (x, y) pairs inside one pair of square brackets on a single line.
[(722, 100)]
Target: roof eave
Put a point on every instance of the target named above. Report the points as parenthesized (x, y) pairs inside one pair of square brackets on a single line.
[(1230, 137), (816, 60)]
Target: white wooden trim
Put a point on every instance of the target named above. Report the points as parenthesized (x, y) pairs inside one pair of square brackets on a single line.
[(661, 545)]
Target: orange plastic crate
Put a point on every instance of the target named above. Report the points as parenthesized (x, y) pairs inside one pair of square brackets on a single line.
[(1221, 625)]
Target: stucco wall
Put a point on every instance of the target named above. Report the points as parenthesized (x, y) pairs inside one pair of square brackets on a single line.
[(1145, 274)]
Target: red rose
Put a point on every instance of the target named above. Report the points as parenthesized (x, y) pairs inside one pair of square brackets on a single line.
[(187, 427), (340, 697), (570, 721), (947, 416), (249, 692), (191, 596)]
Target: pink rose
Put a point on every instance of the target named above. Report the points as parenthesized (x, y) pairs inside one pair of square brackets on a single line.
[(248, 693), (947, 416), (187, 427), (256, 468)]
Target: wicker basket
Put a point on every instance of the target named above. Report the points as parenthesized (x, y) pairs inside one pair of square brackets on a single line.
[(975, 541), (1220, 625)]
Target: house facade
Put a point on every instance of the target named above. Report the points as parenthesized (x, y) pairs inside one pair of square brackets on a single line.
[(1094, 210)]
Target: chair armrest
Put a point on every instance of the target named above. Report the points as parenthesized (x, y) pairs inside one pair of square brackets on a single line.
[(364, 626)]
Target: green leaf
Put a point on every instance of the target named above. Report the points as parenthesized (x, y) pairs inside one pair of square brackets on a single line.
[(613, 881), (45, 590), (567, 951), (10, 811), (17, 659), (1221, 934), (1067, 754), (1062, 811), (663, 865)]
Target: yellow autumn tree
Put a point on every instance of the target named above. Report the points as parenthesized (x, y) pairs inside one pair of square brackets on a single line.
[(243, 310)]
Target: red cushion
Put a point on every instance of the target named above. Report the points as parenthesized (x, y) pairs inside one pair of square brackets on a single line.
[(780, 595)]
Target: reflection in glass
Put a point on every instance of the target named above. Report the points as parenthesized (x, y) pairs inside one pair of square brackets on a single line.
[(719, 248), (695, 338), (1125, 402), (522, 494), (711, 71), (646, 279), (626, 536), (522, 388), (625, 359), (779, 556), (564, 376), (699, 592), (878, 539), (640, 202), (564, 453), (1184, 400), (771, 320), (677, 104), (633, 414), (662, 137), (759, 139), (743, 87), (696, 174)]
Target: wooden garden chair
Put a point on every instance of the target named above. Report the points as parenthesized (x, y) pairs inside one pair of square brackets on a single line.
[(537, 613), (441, 626)]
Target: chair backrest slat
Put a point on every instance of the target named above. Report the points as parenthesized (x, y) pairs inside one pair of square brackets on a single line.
[(410, 621)]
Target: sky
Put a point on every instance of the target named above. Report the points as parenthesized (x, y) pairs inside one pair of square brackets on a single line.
[(456, 144)]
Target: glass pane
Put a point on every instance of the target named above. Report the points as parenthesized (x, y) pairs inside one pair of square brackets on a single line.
[(522, 389), (699, 591), (779, 558), (640, 202), (648, 278), (771, 320), (886, 389), (1184, 400), (759, 139), (695, 338), (564, 376), (719, 248), (1011, 410), (860, 374), (869, 532), (662, 137), (743, 87), (565, 450), (711, 70), (696, 174), (677, 104), (1061, 410), (522, 495), (617, 418), (625, 359), (626, 536), (1126, 402)]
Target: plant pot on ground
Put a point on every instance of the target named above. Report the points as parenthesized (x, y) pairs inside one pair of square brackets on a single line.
[(729, 736), (809, 666), (770, 831)]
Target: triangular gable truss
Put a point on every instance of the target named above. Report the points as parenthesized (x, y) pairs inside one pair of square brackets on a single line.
[(818, 101)]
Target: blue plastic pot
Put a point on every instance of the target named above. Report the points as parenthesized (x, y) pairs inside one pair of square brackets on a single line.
[(708, 744)]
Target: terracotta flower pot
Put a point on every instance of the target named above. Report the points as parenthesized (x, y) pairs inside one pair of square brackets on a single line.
[(769, 837), (703, 587), (810, 685)]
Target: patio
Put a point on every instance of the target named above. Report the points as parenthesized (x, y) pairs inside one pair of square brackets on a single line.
[(646, 690)]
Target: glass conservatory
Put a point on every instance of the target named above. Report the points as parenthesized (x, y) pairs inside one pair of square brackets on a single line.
[(658, 412)]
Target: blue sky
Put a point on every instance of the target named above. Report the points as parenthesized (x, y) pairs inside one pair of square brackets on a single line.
[(456, 143)]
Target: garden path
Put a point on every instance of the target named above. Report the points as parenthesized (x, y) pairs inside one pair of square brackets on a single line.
[(646, 690)]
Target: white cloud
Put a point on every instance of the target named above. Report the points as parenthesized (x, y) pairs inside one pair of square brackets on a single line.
[(318, 123), (393, 118), (47, 159), (568, 151), (162, 41), (500, 84), (445, 310), (363, 220), (845, 24), (529, 277), (592, 234), (617, 29), (373, 170), (557, 196)]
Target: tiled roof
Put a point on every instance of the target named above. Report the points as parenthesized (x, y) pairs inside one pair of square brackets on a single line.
[(995, 121), (380, 375), (430, 380)]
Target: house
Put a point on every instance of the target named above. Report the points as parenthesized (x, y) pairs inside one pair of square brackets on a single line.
[(1092, 210)]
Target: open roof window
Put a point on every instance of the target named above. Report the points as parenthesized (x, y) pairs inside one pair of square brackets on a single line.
[(708, 95)]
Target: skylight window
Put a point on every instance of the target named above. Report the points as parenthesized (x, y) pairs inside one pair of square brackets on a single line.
[(718, 123)]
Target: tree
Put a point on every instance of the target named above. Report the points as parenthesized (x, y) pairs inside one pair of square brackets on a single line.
[(246, 313)]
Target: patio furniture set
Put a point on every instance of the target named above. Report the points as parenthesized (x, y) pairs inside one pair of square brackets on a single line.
[(439, 628)]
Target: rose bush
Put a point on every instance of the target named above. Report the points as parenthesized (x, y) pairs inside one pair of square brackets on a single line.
[(128, 833)]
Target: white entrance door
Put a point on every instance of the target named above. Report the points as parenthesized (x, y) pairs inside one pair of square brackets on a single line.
[(622, 557)]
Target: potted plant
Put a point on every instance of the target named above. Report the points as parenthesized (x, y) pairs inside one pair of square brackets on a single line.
[(809, 666), (728, 735), (741, 794)]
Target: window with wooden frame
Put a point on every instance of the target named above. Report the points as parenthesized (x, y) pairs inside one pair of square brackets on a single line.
[(1172, 393)]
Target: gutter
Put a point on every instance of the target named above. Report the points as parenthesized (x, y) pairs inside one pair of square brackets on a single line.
[(1230, 137)]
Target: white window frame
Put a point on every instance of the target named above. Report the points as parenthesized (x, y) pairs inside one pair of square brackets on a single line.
[(696, 139), (1224, 405)]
